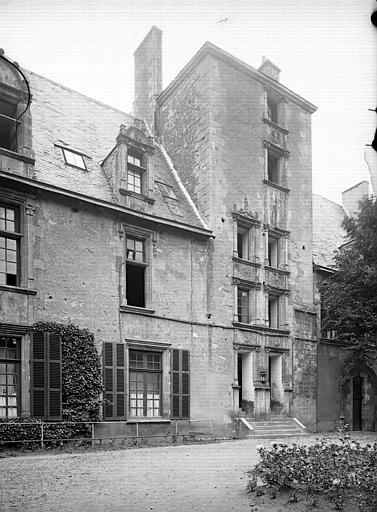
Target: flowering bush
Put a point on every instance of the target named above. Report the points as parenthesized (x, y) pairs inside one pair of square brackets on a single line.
[(338, 469)]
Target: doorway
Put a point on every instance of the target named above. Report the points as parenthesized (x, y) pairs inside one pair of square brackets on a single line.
[(275, 372), (246, 382), (357, 419)]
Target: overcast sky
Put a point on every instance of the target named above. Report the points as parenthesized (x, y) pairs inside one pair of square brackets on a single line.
[(326, 49)]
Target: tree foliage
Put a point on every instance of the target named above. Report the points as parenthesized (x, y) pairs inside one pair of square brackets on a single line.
[(349, 295), (81, 370)]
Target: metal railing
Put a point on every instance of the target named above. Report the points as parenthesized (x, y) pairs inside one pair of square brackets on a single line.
[(44, 439)]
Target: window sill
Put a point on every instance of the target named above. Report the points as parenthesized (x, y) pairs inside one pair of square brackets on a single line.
[(142, 197), (254, 327), (137, 310), (279, 270), (275, 125), (17, 289), (143, 419), (17, 156), (247, 262), (276, 185)]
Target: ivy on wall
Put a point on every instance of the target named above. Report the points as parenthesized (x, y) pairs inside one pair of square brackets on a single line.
[(81, 371)]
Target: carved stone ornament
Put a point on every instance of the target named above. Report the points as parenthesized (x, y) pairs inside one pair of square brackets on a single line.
[(30, 209), (136, 132), (276, 137)]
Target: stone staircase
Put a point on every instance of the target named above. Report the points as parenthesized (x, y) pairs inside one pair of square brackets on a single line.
[(278, 426)]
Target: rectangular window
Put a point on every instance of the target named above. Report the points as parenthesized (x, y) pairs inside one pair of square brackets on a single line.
[(273, 251), (272, 109), (243, 305), (10, 237), (73, 159), (273, 168), (134, 160), (10, 363), (243, 242), (145, 383), (135, 173), (8, 126), (273, 312), (135, 271), (134, 181)]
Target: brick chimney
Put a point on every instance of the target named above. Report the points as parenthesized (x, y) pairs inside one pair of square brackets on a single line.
[(352, 196), (148, 76), (269, 69)]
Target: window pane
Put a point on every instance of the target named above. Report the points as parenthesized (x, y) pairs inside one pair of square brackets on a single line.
[(9, 349), (74, 159), (11, 244), (11, 256)]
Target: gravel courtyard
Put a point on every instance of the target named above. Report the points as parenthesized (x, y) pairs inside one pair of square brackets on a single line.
[(207, 477)]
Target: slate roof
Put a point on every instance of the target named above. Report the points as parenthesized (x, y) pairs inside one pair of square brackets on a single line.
[(328, 234), (65, 118)]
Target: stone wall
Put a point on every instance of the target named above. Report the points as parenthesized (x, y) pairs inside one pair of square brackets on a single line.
[(305, 382)]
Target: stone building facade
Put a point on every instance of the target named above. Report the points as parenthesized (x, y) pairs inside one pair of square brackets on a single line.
[(241, 143), (182, 238)]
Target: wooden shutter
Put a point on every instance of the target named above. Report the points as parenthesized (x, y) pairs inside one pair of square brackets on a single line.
[(46, 376), (180, 384), (114, 374)]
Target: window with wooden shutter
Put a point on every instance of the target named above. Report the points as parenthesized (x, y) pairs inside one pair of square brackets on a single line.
[(114, 374), (46, 376), (180, 384)]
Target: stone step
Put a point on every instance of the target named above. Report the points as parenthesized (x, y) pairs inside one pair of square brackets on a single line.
[(275, 435), (274, 432), (276, 427), (281, 422)]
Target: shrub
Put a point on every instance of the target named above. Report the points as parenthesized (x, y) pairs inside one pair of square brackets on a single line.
[(335, 468), (15, 431)]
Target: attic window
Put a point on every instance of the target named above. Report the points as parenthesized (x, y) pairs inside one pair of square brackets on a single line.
[(73, 159), (166, 190), (8, 126), (135, 160)]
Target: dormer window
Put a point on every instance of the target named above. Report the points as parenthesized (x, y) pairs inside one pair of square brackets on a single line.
[(73, 159), (135, 173), (8, 126), (135, 160)]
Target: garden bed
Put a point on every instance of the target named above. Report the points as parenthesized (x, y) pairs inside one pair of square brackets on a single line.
[(332, 474)]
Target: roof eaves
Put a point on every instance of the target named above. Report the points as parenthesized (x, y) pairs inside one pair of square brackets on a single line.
[(106, 204)]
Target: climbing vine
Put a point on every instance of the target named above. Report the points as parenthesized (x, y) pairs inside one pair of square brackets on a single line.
[(81, 371)]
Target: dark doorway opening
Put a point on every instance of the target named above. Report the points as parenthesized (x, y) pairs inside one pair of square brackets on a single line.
[(357, 420)]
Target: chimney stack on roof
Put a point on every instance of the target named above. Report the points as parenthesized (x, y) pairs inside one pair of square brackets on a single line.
[(148, 75), (269, 69)]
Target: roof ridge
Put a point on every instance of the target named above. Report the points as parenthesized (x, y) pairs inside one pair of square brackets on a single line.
[(62, 86)]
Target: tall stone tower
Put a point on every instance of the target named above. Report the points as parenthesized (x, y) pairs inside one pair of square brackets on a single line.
[(241, 143)]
